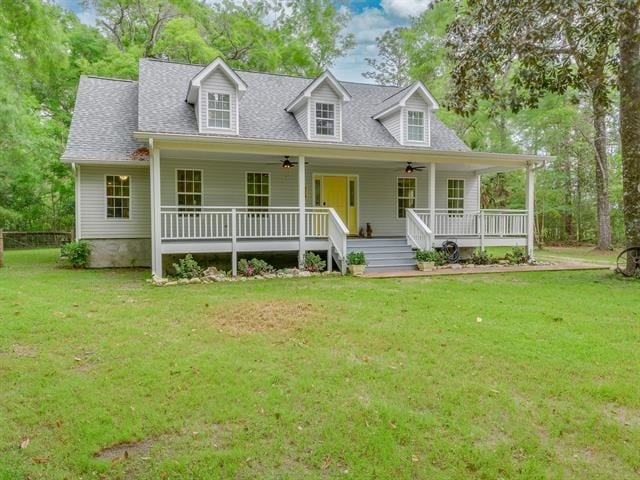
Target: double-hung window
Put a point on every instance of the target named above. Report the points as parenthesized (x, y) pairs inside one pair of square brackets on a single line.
[(258, 189), (189, 189), (219, 110), (415, 126), (325, 119), (118, 196), (455, 196), (406, 195)]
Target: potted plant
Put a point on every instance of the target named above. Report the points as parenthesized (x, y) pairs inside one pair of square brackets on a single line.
[(356, 262), (427, 259)]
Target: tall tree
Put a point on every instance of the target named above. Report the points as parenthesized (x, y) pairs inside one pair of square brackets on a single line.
[(629, 83), (513, 51), (392, 67), (301, 37)]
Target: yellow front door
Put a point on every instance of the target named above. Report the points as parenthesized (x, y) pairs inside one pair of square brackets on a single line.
[(336, 194)]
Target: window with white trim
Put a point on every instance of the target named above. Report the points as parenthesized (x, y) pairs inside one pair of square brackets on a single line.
[(455, 195), (325, 119), (406, 195), (415, 126), (189, 188), (258, 189), (118, 196), (219, 110)]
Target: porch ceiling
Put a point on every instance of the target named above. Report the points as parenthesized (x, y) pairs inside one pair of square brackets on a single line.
[(187, 145), (391, 165)]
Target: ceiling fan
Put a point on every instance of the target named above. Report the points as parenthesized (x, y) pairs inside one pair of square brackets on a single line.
[(286, 163), (410, 168)]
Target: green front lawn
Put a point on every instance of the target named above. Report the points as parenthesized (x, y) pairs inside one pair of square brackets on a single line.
[(528, 375)]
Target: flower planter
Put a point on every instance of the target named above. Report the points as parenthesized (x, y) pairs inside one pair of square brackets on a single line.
[(426, 266), (356, 270)]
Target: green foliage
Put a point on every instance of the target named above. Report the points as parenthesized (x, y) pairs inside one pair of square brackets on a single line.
[(356, 258), (560, 125), (188, 267), (44, 50), (393, 66), (480, 257), (253, 267), (517, 256), (313, 262), (181, 39), (428, 256), (77, 253)]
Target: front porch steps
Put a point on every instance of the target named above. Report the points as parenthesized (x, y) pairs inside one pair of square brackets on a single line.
[(385, 254)]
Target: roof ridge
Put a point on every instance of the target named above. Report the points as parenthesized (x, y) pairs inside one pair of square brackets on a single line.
[(396, 93), (268, 73), (99, 77)]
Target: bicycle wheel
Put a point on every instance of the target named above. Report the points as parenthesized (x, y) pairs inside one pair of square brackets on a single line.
[(628, 262)]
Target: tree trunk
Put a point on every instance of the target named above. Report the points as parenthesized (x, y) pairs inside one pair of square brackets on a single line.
[(602, 171), (629, 84), (568, 200)]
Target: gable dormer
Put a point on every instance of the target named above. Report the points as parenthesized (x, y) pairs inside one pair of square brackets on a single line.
[(407, 115), (215, 94), (318, 108)]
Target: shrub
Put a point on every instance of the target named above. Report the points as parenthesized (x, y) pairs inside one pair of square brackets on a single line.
[(428, 256), (356, 258), (250, 268), (187, 267), (77, 253), (517, 256), (313, 262), (482, 258)]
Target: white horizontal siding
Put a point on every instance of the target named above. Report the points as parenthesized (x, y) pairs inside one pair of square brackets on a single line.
[(218, 82), (393, 125), (224, 184), (471, 186), (325, 94), (416, 103), (93, 203), (302, 116)]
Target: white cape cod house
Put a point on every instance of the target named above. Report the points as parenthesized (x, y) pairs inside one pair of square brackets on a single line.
[(204, 159)]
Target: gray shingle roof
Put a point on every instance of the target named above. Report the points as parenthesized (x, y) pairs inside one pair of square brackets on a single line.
[(108, 111), (104, 119)]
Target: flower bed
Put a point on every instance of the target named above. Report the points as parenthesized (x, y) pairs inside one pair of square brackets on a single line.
[(213, 275)]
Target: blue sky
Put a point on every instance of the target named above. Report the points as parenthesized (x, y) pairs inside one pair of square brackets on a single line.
[(369, 19)]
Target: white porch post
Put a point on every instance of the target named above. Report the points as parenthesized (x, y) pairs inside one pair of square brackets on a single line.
[(156, 230), (301, 206), (530, 208), (432, 198), (481, 212)]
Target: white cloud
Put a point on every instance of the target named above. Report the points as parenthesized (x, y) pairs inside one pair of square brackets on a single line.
[(404, 8), (365, 26)]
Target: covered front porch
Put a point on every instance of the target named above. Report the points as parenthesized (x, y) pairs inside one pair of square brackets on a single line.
[(208, 199)]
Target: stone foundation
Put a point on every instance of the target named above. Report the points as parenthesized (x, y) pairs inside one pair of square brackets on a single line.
[(120, 252)]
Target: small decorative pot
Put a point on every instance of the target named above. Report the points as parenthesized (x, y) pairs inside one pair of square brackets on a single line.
[(426, 266), (356, 270)]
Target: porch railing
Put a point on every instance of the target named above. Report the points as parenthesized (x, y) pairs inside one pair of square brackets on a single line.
[(419, 235), (474, 223), (217, 223), (337, 232)]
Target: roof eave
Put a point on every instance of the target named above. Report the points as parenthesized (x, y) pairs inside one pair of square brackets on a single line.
[(400, 153), (327, 76)]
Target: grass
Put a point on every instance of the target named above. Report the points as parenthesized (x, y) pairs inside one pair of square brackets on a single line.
[(566, 254), (528, 375)]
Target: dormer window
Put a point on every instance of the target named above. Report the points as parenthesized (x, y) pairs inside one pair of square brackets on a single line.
[(415, 126), (325, 119), (219, 110)]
